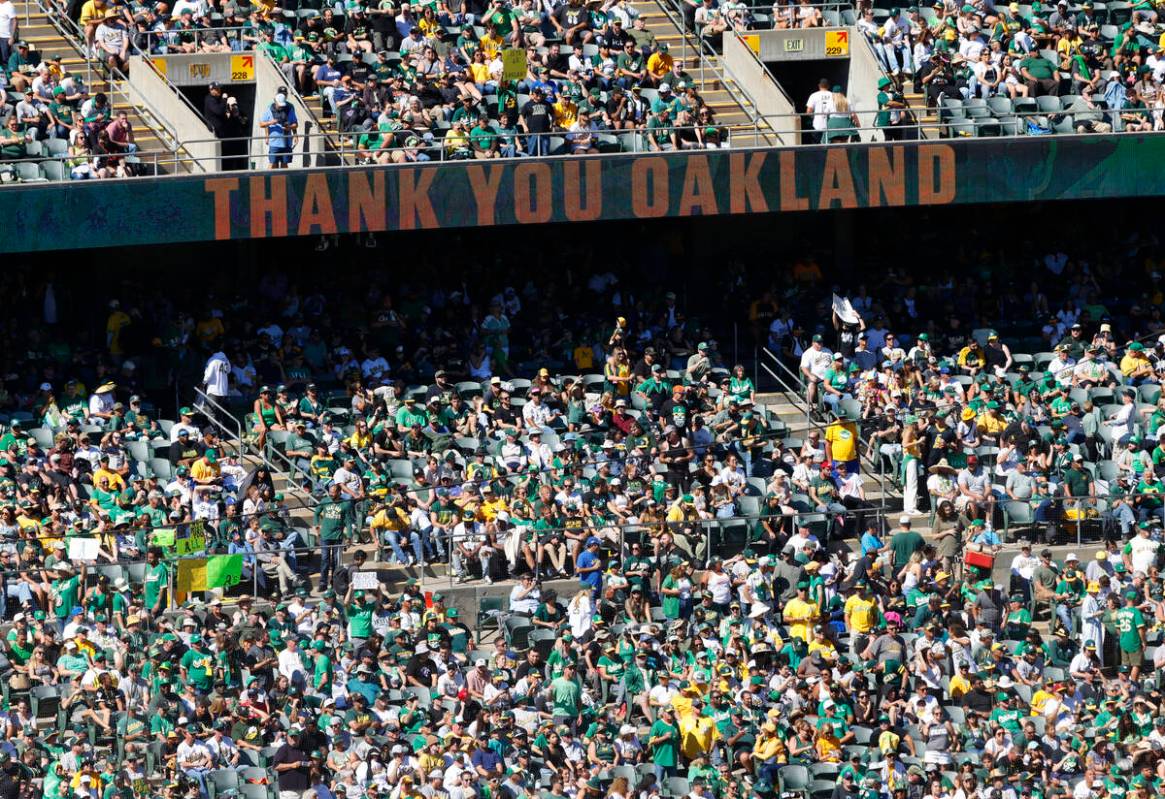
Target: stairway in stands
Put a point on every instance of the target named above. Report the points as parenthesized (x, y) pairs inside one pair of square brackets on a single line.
[(927, 117), (722, 95), (46, 38)]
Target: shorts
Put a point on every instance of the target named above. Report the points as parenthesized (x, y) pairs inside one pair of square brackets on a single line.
[(1136, 658), (279, 155)]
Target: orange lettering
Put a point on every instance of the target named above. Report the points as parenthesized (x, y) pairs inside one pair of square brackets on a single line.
[(698, 192), (744, 191), (578, 208), (649, 202), (790, 201), (316, 211), (837, 181), (936, 174), (222, 188), (367, 201), (485, 191), (532, 201), (416, 207), (887, 177), (264, 205)]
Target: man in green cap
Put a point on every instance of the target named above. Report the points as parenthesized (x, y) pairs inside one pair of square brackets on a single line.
[(890, 119), (197, 665), (332, 517), (359, 608)]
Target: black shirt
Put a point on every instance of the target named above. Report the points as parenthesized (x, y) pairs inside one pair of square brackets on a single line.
[(295, 779), (180, 451), (360, 72), (214, 109), (421, 668), (537, 114)]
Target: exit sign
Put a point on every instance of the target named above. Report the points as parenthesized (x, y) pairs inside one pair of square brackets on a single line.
[(794, 45)]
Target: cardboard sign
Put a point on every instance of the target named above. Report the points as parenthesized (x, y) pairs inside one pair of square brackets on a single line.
[(83, 549), (365, 581), (514, 64), (191, 540)]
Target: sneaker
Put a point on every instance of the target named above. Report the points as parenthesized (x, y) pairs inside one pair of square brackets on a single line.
[(487, 580)]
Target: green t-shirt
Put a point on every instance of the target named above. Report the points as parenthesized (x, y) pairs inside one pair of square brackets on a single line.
[(322, 674), (65, 592), (199, 668), (664, 752), (360, 620), (482, 137), (155, 583), (1039, 67), (566, 695), (332, 518), (671, 604), (904, 544), (1128, 622)]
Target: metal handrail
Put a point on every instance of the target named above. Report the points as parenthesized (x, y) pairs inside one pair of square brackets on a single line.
[(793, 392), (158, 37), (286, 468)]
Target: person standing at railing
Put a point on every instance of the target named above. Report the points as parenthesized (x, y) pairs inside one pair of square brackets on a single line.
[(280, 123), (890, 118), (536, 120)]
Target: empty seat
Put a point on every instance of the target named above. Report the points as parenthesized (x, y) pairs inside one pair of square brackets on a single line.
[(1000, 106), (1048, 104)]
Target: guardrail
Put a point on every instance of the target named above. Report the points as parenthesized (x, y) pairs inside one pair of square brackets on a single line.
[(235, 39), (698, 539)]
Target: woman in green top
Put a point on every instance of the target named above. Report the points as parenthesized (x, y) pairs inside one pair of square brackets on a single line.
[(671, 588), (267, 415)]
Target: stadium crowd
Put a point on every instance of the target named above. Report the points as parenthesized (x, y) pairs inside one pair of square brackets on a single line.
[(487, 427)]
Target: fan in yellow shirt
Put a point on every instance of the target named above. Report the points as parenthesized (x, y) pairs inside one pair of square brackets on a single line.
[(800, 614), (769, 747), (491, 503), (565, 112), (697, 736), (960, 683), (389, 518), (822, 644), (861, 612)]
